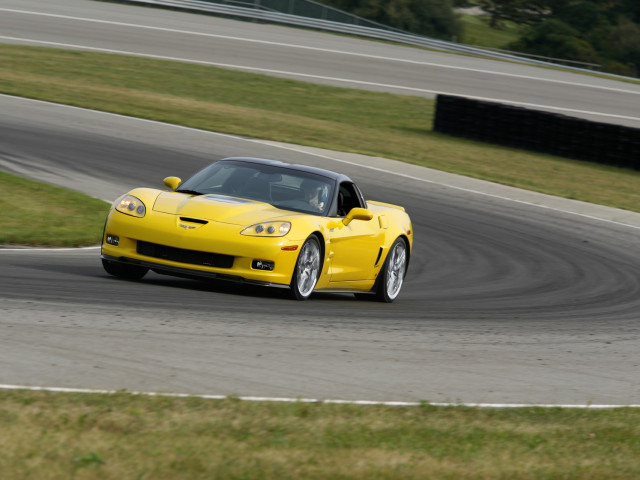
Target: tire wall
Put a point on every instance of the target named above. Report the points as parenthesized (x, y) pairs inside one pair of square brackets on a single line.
[(538, 131)]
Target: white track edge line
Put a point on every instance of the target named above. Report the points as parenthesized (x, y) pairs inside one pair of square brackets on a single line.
[(326, 50), (47, 249), (314, 400), (322, 77)]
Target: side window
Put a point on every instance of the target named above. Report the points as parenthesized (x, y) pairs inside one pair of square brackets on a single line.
[(348, 197)]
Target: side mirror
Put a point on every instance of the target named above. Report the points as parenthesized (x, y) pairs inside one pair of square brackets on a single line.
[(172, 182), (357, 214)]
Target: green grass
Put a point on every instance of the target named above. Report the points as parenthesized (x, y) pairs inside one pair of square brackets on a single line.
[(123, 436), (34, 213), (478, 32)]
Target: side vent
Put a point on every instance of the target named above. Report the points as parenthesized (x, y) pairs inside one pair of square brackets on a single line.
[(379, 255)]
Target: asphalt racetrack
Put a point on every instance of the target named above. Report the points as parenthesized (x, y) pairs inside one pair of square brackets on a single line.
[(511, 297)]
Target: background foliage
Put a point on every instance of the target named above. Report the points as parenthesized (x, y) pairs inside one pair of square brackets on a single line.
[(605, 33), (433, 18)]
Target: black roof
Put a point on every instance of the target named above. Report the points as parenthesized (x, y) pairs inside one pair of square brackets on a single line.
[(338, 177)]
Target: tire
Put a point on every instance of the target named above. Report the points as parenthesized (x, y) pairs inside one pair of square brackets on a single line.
[(393, 272), (124, 270), (307, 270)]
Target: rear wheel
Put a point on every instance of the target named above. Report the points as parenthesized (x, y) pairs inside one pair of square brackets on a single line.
[(392, 273), (124, 270), (307, 271)]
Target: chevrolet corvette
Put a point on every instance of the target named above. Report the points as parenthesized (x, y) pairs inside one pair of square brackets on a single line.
[(262, 222)]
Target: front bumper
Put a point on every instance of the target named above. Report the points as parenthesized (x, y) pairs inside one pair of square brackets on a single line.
[(190, 272), (217, 239)]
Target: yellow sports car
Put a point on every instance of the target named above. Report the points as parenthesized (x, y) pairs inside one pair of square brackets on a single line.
[(262, 222)]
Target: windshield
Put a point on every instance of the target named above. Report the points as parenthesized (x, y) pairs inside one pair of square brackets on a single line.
[(282, 187)]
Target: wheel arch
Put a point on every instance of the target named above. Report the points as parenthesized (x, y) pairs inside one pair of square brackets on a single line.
[(317, 239), (382, 260), (379, 288), (408, 245), (321, 241)]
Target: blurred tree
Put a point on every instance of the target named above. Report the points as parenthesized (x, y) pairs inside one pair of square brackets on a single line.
[(526, 12), (605, 32), (630, 9), (584, 15), (556, 39), (619, 46), (433, 18)]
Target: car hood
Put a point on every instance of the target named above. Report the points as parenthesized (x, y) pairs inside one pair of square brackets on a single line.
[(217, 208)]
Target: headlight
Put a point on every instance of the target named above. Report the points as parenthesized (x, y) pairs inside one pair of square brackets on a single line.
[(268, 229), (131, 206)]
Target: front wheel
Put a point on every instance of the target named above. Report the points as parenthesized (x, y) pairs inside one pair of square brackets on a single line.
[(392, 273), (124, 270), (307, 270)]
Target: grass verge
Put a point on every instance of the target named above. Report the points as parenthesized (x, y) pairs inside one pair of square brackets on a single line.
[(38, 214), (380, 124), (53, 435), (478, 32)]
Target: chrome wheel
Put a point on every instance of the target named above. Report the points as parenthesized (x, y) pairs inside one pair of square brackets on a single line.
[(307, 269), (394, 269)]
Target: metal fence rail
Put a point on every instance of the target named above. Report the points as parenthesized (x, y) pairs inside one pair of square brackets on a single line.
[(262, 10), (293, 8), (304, 8)]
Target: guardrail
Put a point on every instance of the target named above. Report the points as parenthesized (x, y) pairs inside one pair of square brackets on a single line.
[(305, 8), (380, 32)]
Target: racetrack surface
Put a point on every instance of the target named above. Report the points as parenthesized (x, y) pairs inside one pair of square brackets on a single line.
[(511, 297), (505, 301)]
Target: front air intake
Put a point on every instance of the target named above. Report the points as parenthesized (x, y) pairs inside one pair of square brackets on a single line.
[(181, 255)]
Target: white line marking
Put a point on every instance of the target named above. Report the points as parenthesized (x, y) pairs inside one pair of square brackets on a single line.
[(312, 400), (338, 160), (324, 50), (333, 79), (46, 249)]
